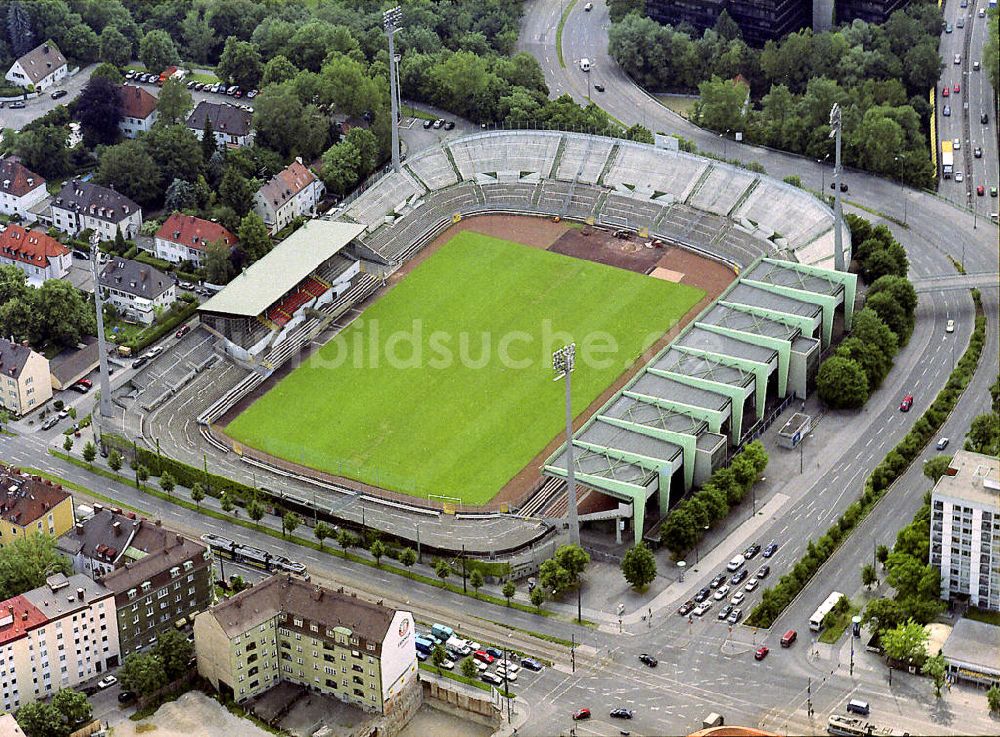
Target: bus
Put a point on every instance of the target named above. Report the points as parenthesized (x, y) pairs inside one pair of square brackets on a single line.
[(855, 727), (816, 620)]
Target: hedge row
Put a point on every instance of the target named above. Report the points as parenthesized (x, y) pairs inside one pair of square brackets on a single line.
[(174, 318), (157, 263), (774, 600)]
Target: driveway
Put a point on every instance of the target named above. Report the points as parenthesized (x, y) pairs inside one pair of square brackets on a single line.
[(38, 106)]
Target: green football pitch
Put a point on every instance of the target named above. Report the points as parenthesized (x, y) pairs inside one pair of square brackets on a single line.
[(445, 386)]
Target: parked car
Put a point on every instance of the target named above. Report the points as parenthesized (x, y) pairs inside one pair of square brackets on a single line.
[(721, 593), (751, 551), (686, 607), (724, 612), (50, 423), (761, 652), (56, 94), (735, 616), (82, 389), (736, 563), (438, 123), (581, 714), (107, 681), (252, 94), (17, 105), (621, 712), (183, 331), (648, 660), (702, 595), (138, 363), (738, 577), (701, 609), (491, 678), (510, 676), (130, 74), (718, 581), (738, 598), (125, 697), (483, 657), (531, 664), (449, 125), (428, 124), (751, 584)]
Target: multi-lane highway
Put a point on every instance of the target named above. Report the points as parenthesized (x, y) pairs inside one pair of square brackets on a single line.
[(969, 96)]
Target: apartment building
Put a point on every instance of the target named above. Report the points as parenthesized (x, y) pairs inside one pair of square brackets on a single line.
[(54, 637), (232, 126), (292, 192), (25, 384), (21, 190), (186, 238), (80, 205), (965, 530), (159, 591), (110, 539), (138, 111), (284, 629), (30, 504), (37, 254), (138, 290)]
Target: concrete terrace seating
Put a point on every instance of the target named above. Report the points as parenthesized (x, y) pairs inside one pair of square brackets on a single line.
[(434, 168), (689, 225), (515, 195), (649, 171), (582, 201), (628, 212), (383, 198), (789, 211), (583, 158), (721, 189), (819, 251), (507, 155)]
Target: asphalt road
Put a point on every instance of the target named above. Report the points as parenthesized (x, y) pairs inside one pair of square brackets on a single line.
[(38, 106)]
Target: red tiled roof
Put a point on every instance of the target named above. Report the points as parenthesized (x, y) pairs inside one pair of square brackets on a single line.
[(14, 177), (17, 616), (187, 230), (29, 246), (136, 102)]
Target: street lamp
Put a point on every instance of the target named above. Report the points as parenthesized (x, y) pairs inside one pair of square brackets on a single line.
[(822, 176), (563, 361), (391, 18)]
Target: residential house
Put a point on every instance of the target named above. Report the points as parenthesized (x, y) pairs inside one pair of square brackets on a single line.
[(185, 238), (284, 629), (81, 205), (138, 290), (292, 192), (30, 504), (138, 111), (56, 636), (233, 126), (110, 539), (24, 378), (37, 254), (40, 68), (160, 590), (21, 188)]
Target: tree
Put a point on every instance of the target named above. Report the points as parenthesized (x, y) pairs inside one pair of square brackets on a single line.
[(573, 559), (240, 63), (508, 591), (176, 150), (377, 550), (679, 532), (142, 673), (993, 698), (235, 191), (181, 195), (721, 104), (197, 494), (226, 503), (68, 444), (128, 168), (141, 475), (553, 577), (199, 36), (537, 597), (842, 383), (438, 656), (108, 71), (175, 652), (277, 70), (640, 133), (43, 150), (209, 144), (218, 263), (984, 434), (167, 482), (882, 554), (345, 539), (906, 643), (936, 467), (99, 110), (39, 719), (321, 531), (115, 460), (893, 314), (22, 38), (469, 669), (476, 580), (364, 141), (936, 668), (442, 569), (290, 522), (869, 577), (73, 706), (639, 566), (114, 48), (341, 164), (255, 511), (89, 452), (254, 238), (407, 556), (173, 103), (82, 44), (157, 51), (26, 561)]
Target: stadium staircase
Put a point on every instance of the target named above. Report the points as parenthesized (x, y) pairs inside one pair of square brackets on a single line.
[(552, 487)]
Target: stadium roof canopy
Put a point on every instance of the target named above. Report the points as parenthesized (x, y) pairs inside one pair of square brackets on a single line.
[(288, 263)]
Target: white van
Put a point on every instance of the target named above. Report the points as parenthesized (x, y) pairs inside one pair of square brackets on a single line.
[(736, 563), (458, 645), (585, 65)]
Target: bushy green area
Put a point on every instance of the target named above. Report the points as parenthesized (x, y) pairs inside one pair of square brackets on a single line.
[(441, 419)]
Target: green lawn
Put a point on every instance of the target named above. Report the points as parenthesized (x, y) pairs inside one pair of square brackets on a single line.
[(408, 399)]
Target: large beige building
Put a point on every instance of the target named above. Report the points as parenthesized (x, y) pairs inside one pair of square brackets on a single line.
[(284, 629), (25, 383), (965, 530), (54, 637)]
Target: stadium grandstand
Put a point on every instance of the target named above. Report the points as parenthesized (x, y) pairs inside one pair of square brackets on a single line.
[(678, 420), (304, 282)]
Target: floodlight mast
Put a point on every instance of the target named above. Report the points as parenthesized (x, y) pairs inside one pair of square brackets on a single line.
[(563, 362), (392, 18), (838, 214)]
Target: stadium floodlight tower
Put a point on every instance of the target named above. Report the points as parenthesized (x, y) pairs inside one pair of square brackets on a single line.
[(838, 214), (392, 17), (104, 405), (563, 361)]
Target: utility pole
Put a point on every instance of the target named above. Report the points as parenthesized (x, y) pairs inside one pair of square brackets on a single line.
[(563, 361), (465, 589), (809, 700), (838, 215), (572, 651), (104, 403), (391, 18)]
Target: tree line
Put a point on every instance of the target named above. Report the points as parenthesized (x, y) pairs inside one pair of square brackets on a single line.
[(55, 314), (781, 95)]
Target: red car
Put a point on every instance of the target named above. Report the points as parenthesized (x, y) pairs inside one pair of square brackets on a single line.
[(906, 404), (958, 88), (946, 92), (980, 190), (183, 331), (761, 652), (581, 714), (484, 657), (86, 382)]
